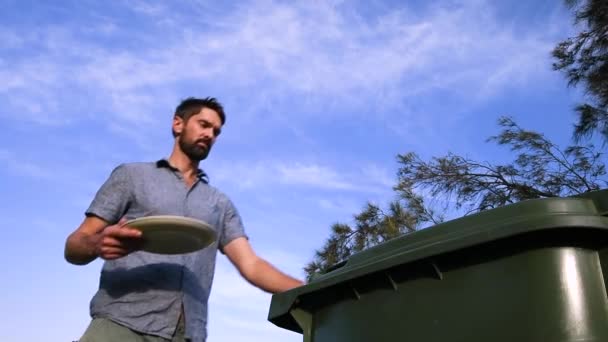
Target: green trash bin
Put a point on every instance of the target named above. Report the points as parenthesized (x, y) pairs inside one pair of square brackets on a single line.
[(530, 271)]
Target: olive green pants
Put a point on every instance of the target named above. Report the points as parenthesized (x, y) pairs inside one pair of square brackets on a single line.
[(104, 330)]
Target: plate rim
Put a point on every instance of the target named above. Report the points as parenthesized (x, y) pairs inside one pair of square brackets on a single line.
[(189, 225), (182, 219)]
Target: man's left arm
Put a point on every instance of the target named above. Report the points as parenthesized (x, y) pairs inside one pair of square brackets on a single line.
[(256, 270)]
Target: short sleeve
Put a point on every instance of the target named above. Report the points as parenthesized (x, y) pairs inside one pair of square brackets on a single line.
[(232, 226), (114, 197)]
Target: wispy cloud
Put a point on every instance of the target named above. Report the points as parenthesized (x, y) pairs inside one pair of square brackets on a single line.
[(79, 178), (323, 50), (343, 205), (313, 175), (10, 40), (261, 174), (149, 9), (25, 168)]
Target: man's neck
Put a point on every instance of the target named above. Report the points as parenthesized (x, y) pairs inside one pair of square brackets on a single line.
[(187, 166)]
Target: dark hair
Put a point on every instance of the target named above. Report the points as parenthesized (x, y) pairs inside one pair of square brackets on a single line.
[(192, 106)]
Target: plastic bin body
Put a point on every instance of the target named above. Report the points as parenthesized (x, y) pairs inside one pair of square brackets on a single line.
[(533, 271)]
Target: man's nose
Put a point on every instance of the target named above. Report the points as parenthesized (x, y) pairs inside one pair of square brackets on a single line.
[(208, 133)]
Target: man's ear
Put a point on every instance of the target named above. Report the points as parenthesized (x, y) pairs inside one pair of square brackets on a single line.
[(178, 125)]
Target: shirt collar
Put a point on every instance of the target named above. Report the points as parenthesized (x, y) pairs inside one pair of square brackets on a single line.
[(200, 173)]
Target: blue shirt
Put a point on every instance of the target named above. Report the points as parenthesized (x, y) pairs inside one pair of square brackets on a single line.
[(145, 291)]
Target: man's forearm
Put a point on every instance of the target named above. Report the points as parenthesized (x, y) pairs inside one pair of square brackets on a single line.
[(268, 278), (80, 249)]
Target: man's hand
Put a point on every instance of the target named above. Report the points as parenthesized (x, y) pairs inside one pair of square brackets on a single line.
[(116, 241), (96, 238)]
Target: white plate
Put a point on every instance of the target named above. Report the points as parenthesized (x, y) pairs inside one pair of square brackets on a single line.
[(167, 234)]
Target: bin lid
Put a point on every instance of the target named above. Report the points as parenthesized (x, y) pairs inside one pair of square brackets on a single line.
[(581, 211)]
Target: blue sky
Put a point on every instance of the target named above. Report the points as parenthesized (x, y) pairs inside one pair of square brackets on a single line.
[(320, 98)]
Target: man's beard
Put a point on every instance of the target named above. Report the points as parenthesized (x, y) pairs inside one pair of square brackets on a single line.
[(192, 150)]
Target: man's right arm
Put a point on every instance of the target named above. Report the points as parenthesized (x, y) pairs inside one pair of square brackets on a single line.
[(81, 245), (96, 238), (97, 235)]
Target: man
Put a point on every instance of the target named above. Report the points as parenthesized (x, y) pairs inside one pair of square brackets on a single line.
[(152, 297)]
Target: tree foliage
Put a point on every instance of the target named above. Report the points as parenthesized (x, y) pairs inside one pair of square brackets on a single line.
[(372, 226), (584, 60), (540, 169)]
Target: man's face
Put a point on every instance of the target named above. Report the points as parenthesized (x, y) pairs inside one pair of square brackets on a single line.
[(198, 133)]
